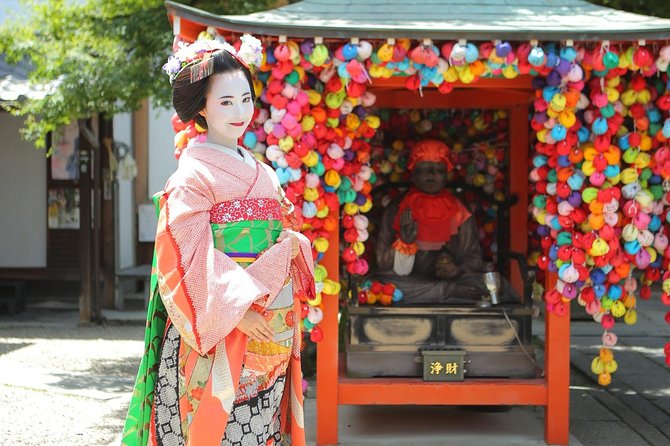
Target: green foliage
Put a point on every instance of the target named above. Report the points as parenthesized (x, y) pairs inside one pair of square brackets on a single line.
[(658, 8), (232, 6), (102, 56)]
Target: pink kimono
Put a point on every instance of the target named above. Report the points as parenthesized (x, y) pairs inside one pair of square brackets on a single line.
[(213, 383)]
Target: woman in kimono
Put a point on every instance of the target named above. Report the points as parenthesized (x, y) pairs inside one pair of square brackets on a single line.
[(222, 348)]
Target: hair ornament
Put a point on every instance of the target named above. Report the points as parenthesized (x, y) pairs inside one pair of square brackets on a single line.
[(197, 56)]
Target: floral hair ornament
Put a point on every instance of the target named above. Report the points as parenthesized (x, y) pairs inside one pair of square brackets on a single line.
[(197, 56)]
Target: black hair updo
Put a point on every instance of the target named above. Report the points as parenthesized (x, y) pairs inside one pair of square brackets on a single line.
[(190, 98)]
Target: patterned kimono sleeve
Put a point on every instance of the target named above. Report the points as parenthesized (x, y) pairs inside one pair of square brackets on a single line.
[(205, 292), (302, 267)]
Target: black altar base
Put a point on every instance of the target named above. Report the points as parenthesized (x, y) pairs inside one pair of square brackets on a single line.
[(387, 341)]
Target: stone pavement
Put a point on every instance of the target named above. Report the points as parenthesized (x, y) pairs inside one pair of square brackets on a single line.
[(66, 384)]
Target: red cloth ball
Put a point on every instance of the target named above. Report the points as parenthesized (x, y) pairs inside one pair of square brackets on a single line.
[(388, 289)]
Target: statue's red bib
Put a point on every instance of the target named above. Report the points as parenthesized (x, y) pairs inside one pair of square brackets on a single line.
[(438, 216)]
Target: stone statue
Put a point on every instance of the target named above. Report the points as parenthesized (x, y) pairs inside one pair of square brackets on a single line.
[(428, 244)]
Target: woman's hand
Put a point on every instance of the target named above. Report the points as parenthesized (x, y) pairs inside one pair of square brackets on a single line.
[(295, 243), (255, 326)]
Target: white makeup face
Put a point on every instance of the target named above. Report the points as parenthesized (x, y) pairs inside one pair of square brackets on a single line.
[(228, 108)]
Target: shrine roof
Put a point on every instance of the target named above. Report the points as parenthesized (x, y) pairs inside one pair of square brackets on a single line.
[(439, 20), (14, 83)]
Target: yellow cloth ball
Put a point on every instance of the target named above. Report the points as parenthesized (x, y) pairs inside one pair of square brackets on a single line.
[(630, 318), (653, 254), (629, 97), (588, 168), (628, 175), (642, 160), (307, 123), (331, 287), (618, 309), (385, 52), (323, 212), (376, 71), (451, 75), (552, 113), (316, 301), (612, 94), (373, 122), (643, 96), (466, 75), (599, 248), (613, 82), (286, 143), (365, 207), (313, 97), (350, 208), (597, 366), (509, 72), (310, 194), (311, 159), (321, 244), (558, 102), (358, 247)]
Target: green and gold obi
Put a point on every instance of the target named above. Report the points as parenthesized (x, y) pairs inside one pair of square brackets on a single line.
[(243, 229)]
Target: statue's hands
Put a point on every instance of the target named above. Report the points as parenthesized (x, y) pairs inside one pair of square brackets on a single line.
[(408, 227), (446, 268)]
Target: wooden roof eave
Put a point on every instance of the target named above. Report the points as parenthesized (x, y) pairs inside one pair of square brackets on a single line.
[(238, 24)]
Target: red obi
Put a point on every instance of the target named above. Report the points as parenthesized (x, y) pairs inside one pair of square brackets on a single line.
[(245, 209)]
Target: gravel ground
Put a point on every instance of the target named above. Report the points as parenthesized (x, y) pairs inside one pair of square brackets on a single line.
[(64, 384)]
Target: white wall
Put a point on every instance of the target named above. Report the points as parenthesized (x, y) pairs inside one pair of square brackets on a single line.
[(23, 202), (123, 132), (162, 162)]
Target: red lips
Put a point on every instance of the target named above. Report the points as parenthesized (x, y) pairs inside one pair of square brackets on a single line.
[(237, 124)]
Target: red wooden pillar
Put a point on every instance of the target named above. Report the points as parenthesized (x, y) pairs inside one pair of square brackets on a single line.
[(518, 174), (557, 373), (327, 363)]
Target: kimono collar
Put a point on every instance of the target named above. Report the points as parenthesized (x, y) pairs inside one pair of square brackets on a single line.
[(211, 154)]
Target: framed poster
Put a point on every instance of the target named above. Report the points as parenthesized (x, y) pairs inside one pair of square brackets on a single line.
[(65, 153), (63, 208)]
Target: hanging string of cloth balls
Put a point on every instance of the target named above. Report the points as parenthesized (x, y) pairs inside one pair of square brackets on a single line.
[(600, 173)]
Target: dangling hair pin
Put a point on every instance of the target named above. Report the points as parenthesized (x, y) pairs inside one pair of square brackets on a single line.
[(198, 57)]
